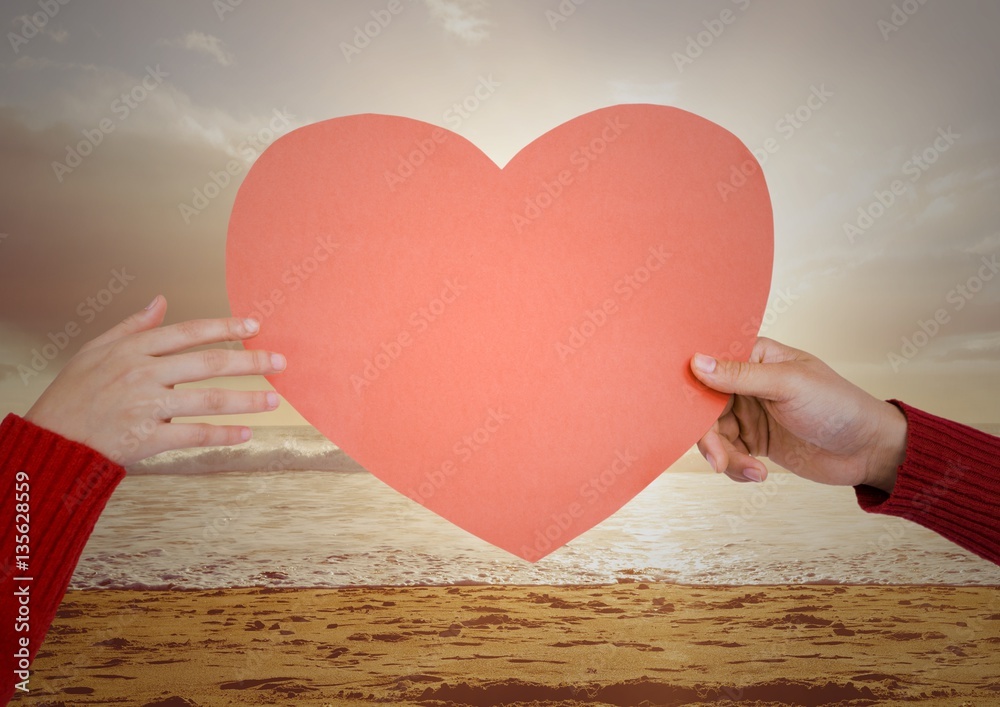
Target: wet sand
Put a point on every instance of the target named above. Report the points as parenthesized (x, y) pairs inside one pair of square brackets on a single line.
[(490, 645)]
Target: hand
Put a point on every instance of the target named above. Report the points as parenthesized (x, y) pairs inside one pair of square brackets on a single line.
[(794, 409), (117, 394)]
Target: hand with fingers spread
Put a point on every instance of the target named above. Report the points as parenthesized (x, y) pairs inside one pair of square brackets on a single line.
[(117, 395), (791, 407)]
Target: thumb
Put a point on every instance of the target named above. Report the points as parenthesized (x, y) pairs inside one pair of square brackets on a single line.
[(760, 380)]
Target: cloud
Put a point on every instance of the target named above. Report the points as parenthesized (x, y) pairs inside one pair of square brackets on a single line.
[(989, 244), (80, 96), (30, 63), (979, 349), (60, 258), (665, 92), (461, 18), (56, 35), (202, 43)]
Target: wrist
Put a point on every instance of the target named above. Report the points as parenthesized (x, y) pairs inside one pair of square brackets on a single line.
[(39, 419), (890, 448)]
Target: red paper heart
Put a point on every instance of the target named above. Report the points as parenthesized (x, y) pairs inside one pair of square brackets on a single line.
[(509, 347)]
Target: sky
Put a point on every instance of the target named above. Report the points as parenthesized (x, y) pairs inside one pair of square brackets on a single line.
[(876, 123)]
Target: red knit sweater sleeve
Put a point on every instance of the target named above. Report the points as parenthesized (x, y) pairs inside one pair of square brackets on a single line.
[(949, 482), (53, 491)]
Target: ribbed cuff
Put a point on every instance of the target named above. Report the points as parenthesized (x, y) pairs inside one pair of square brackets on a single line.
[(949, 481), (71, 476), (69, 484)]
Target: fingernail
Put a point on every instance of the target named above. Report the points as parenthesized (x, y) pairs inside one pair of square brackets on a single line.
[(251, 324), (245, 434), (711, 462), (153, 303), (278, 362), (753, 474), (705, 364), (272, 400)]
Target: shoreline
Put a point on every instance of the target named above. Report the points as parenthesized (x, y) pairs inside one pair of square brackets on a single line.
[(320, 588), (265, 589), (552, 644)]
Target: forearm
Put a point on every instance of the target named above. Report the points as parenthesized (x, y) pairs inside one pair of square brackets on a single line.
[(949, 481), (53, 492)]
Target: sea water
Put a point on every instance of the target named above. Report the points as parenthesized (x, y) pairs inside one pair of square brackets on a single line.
[(289, 509)]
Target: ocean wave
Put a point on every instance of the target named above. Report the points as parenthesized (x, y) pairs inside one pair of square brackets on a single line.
[(275, 448), (316, 529), (285, 448)]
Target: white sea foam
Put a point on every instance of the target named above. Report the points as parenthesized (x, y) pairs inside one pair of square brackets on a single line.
[(289, 448), (314, 528), (278, 448)]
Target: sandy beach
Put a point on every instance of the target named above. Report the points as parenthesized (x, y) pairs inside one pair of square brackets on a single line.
[(625, 644)]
